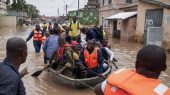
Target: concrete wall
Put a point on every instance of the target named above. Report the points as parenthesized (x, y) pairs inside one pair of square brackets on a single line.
[(128, 28), (142, 7), (166, 27), (8, 21), (105, 14)]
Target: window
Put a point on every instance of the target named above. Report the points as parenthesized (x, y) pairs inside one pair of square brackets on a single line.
[(103, 2), (129, 1), (110, 2)]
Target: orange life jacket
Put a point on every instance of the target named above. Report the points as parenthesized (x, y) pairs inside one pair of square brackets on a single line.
[(132, 83), (60, 51), (37, 35), (91, 60), (43, 39)]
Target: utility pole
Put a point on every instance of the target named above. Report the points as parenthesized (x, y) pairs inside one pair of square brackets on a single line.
[(58, 12), (78, 7), (66, 9)]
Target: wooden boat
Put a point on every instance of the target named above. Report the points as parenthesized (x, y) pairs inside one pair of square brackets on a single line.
[(78, 83)]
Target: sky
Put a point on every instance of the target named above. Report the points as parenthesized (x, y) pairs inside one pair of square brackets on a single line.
[(50, 7)]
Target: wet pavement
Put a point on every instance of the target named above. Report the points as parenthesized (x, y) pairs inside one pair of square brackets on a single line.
[(125, 53)]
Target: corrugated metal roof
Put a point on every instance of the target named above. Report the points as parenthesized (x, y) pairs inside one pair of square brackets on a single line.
[(157, 2), (122, 15)]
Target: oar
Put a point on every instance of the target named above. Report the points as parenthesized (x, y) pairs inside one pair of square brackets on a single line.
[(114, 64), (37, 73)]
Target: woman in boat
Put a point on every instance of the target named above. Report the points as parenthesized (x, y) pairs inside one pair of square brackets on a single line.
[(150, 62)]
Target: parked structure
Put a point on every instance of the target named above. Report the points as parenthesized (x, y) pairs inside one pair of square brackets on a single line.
[(153, 13)]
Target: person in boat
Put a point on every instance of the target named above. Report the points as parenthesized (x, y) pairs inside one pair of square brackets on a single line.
[(64, 57), (91, 57), (150, 61), (105, 43), (90, 34), (83, 37), (37, 35), (108, 55), (51, 45)]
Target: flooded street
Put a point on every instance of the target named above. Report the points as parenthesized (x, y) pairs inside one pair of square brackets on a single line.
[(125, 53)]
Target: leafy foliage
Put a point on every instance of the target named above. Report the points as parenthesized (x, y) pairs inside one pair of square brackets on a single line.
[(22, 6)]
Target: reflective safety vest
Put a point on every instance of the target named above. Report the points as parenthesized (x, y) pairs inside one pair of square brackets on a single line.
[(37, 35), (75, 29), (91, 60), (133, 83), (43, 39), (60, 51)]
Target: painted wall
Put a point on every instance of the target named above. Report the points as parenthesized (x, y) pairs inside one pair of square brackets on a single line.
[(166, 27), (8, 21), (142, 7), (128, 28)]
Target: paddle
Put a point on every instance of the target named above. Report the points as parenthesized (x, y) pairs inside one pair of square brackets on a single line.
[(37, 73)]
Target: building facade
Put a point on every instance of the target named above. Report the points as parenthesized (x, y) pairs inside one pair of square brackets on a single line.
[(92, 5), (153, 13), (122, 29), (3, 7), (110, 7)]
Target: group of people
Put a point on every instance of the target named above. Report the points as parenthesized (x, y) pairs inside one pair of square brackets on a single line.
[(73, 46), (67, 54)]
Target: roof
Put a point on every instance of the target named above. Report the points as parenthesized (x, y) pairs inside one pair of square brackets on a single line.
[(135, 4), (122, 15), (164, 5)]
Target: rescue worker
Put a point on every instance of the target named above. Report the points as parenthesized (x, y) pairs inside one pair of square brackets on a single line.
[(150, 61), (44, 26), (43, 39), (75, 26), (37, 35), (91, 58)]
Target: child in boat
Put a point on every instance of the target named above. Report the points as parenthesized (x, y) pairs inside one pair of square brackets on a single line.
[(65, 58)]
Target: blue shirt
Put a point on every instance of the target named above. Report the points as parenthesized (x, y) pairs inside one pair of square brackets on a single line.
[(10, 81), (50, 45)]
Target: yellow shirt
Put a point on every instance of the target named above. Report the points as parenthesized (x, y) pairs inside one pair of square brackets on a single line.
[(75, 29)]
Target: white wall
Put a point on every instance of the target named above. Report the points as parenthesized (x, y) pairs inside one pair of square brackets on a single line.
[(8, 21)]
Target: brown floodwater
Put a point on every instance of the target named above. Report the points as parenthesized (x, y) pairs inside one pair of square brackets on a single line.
[(125, 53)]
